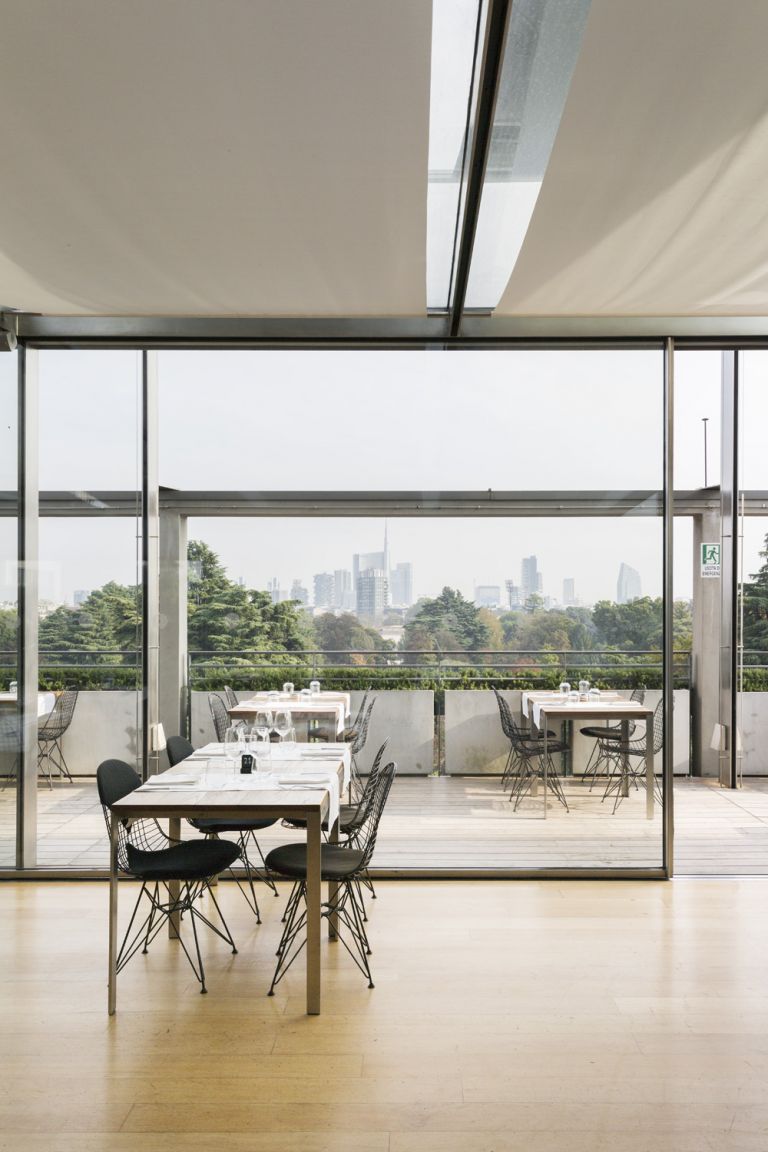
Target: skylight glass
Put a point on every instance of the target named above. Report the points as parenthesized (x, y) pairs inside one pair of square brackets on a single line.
[(543, 42)]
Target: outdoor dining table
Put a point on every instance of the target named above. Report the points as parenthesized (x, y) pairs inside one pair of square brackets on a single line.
[(290, 791), (334, 704), (543, 707)]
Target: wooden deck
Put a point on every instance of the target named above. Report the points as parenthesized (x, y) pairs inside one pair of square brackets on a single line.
[(467, 823)]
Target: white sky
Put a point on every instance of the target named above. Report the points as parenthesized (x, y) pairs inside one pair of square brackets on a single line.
[(384, 421)]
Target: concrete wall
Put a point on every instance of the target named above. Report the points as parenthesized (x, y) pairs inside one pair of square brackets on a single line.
[(407, 718), (474, 742), (104, 725)]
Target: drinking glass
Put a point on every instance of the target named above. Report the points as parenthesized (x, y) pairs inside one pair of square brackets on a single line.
[(288, 688), (314, 687), (565, 688), (231, 744), (282, 723), (263, 724)]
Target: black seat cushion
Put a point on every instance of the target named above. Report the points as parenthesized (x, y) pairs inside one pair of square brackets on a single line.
[(537, 746), (212, 825), (330, 733), (347, 816), (336, 863), (602, 733), (190, 860)]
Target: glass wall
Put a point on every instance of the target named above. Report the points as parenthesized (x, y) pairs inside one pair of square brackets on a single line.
[(9, 714), (90, 439), (435, 610)]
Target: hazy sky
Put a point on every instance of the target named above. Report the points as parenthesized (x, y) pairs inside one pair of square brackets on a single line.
[(389, 421)]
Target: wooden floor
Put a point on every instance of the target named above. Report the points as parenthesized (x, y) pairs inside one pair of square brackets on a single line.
[(507, 1017), (468, 823)]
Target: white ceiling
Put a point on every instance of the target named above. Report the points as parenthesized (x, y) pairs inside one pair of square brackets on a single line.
[(265, 158), (654, 201), (214, 157)]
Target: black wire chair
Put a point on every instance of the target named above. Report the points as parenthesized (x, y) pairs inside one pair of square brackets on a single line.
[(231, 697), (627, 760), (357, 744), (146, 853), (324, 731), (343, 865), (608, 732), (219, 715), (352, 818), (179, 749), (529, 757), (508, 727), (50, 731)]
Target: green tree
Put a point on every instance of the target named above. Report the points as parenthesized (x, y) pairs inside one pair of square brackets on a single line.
[(755, 605), (448, 622), (631, 627), (345, 633)]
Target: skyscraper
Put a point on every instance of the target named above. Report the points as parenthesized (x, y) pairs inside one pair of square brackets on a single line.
[(325, 590), (401, 585), (569, 591), (343, 591), (513, 594), (299, 592), (531, 581), (372, 592), (487, 595), (628, 584)]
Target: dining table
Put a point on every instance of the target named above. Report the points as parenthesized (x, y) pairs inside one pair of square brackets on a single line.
[(541, 708), (303, 782), (307, 706)]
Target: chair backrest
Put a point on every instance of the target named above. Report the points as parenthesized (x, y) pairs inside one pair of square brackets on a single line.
[(658, 726), (505, 715), (361, 710), (361, 735), (114, 780), (638, 695), (369, 831), (369, 791), (219, 714), (178, 749), (231, 696), (59, 718)]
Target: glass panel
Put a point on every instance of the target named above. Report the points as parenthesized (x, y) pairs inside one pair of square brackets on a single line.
[(408, 421), (749, 852), (568, 585), (454, 29), (9, 623), (700, 805), (90, 619), (543, 42)]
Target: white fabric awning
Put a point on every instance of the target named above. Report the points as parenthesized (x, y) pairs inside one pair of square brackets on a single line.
[(242, 157), (654, 199)]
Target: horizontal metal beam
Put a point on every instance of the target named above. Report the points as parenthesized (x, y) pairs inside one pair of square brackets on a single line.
[(477, 331), (426, 504)]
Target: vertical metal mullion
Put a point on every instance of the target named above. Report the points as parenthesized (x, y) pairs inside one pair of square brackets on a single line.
[(729, 577), (28, 555), (150, 547), (668, 759)]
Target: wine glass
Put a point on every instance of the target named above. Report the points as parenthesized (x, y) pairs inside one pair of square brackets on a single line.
[(282, 723), (263, 724), (231, 743)]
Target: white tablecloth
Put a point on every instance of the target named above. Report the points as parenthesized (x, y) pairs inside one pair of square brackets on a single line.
[(293, 767)]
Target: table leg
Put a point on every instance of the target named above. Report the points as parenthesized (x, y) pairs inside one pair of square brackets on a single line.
[(174, 886), (650, 780), (112, 981), (546, 764), (624, 758), (313, 913), (333, 919)]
